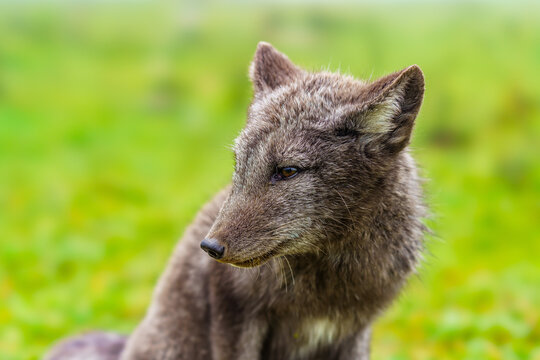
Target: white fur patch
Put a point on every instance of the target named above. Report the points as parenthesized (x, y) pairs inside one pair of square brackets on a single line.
[(318, 332)]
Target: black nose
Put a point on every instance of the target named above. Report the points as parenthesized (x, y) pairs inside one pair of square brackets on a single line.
[(212, 247)]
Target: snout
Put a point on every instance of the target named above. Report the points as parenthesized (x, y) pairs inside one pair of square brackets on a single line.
[(213, 248)]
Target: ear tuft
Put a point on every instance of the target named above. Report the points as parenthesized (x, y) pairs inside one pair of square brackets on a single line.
[(271, 69)]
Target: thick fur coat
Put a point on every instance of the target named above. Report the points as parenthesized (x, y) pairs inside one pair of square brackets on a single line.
[(322, 224)]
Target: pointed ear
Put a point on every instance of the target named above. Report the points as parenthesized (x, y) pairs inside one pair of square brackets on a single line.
[(271, 69), (389, 108)]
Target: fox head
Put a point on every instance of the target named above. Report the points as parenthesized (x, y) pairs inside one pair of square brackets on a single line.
[(312, 158)]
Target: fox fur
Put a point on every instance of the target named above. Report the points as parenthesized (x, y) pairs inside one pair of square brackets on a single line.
[(307, 262)]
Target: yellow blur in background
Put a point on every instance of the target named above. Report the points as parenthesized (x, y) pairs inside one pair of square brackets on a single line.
[(115, 122)]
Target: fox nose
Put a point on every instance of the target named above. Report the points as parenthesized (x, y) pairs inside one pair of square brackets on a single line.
[(212, 248)]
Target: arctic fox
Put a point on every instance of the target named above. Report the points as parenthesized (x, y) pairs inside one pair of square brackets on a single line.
[(324, 214)]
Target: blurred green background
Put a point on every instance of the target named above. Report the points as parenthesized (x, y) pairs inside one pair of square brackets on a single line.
[(115, 122)]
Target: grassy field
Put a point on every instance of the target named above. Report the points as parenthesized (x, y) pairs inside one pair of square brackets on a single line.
[(115, 121)]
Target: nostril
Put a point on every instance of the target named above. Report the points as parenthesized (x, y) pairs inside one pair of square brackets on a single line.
[(212, 248)]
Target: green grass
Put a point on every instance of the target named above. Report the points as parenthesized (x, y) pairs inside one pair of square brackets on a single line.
[(114, 127)]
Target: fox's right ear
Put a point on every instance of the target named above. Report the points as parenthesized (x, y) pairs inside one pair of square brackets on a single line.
[(271, 69)]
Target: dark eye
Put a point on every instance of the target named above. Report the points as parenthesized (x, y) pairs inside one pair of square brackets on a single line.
[(284, 173), (288, 172)]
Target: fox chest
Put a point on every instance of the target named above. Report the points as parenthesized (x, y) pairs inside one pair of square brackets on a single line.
[(314, 338)]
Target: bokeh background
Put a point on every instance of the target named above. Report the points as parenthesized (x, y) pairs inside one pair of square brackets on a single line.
[(115, 123)]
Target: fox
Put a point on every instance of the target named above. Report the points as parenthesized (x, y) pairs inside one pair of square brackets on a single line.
[(318, 232)]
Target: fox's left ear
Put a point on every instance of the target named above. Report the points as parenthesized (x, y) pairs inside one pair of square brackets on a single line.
[(271, 69), (389, 108)]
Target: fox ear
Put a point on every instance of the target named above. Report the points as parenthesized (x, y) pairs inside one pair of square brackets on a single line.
[(271, 69), (389, 108)]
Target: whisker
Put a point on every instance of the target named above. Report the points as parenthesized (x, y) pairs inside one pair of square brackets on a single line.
[(290, 268), (282, 271), (346, 206)]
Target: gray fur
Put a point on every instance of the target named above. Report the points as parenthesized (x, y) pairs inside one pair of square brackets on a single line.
[(90, 346), (323, 252)]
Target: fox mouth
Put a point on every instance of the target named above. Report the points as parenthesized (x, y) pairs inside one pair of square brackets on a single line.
[(247, 264), (253, 262)]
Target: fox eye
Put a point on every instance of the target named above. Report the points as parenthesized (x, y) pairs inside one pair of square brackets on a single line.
[(288, 172), (284, 173)]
